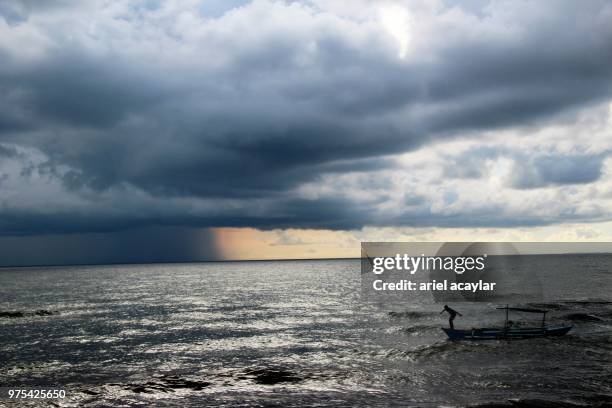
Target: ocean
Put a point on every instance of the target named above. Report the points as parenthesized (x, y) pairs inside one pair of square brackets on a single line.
[(288, 333)]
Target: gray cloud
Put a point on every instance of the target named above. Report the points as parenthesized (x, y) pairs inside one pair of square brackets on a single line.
[(529, 169), (219, 110), (556, 170)]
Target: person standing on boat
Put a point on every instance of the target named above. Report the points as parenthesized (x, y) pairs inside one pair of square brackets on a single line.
[(453, 313)]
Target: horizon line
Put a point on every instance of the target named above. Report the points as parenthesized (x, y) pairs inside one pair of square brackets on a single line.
[(58, 265)]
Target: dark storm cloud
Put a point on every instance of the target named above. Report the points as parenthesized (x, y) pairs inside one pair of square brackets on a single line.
[(332, 213), (252, 115), (140, 245), (77, 90)]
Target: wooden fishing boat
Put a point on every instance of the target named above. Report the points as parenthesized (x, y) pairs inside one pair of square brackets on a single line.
[(509, 331)]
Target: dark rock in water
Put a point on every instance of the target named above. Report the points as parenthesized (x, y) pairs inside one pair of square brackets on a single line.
[(12, 314), (599, 400), (176, 382), (89, 392), (272, 376), (16, 314), (582, 317), (164, 384), (139, 388)]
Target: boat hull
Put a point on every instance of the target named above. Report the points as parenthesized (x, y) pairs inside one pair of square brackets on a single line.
[(511, 333)]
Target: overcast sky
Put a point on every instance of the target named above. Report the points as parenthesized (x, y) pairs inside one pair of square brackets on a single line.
[(125, 125)]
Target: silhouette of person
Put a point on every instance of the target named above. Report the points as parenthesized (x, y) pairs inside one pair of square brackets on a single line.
[(453, 313)]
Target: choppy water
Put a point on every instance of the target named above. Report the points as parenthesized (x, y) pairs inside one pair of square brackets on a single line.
[(292, 333)]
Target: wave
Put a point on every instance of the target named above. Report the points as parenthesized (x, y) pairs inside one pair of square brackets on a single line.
[(418, 328), (411, 314), (589, 302), (540, 403), (437, 348), (549, 306), (234, 308)]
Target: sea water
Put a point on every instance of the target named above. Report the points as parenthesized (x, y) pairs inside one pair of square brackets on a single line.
[(286, 333)]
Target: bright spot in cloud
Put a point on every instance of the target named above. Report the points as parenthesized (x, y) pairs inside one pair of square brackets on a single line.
[(396, 21)]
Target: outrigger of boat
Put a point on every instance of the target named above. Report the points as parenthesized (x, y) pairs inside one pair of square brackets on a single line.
[(509, 331)]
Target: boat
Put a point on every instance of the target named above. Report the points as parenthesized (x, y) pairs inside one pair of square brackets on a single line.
[(509, 331)]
